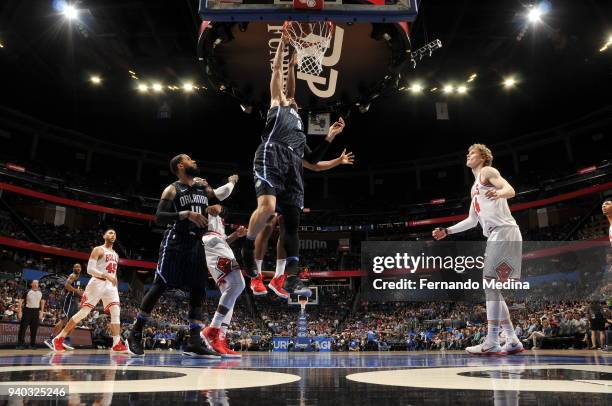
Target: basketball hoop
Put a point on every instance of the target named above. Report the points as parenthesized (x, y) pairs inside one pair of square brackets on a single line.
[(311, 41)]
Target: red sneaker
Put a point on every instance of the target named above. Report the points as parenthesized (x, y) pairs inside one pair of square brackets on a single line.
[(229, 353), (258, 287), (119, 347), (58, 344), (276, 286), (212, 338)]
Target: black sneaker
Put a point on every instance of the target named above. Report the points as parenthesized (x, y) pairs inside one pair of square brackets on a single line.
[(134, 344), (248, 258), (295, 286), (199, 350)]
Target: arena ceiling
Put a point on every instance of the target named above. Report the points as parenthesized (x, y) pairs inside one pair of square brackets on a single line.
[(47, 64)]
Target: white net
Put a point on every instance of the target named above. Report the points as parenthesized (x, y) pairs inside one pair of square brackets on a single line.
[(310, 41)]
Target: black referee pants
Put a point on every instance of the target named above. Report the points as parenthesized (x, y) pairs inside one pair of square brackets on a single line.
[(28, 319)]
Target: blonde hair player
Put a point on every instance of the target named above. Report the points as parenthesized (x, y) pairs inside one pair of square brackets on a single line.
[(102, 267), (489, 207)]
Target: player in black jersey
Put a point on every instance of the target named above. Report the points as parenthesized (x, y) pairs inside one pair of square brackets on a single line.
[(70, 305), (278, 172), (183, 208)]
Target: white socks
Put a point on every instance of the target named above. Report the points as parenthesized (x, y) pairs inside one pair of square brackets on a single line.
[(280, 267)]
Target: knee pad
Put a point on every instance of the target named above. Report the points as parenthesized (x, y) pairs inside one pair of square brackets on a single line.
[(232, 288), (114, 313), (291, 219), (81, 314)]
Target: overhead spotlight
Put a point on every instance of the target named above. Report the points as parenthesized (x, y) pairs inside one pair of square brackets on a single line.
[(433, 89), (509, 82), (246, 108), (462, 89), (142, 88), (1, 45), (416, 88), (188, 87), (472, 77), (96, 80), (69, 11), (448, 89), (131, 72), (535, 13), (157, 87)]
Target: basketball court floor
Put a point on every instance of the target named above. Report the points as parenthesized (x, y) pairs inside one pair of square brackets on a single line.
[(451, 377)]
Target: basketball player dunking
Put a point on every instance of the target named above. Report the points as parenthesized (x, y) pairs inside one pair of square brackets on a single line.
[(278, 174), (102, 267), (181, 264), (70, 305), (261, 242), (489, 207)]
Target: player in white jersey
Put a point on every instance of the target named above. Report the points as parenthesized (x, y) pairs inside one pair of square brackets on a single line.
[(227, 274), (489, 207), (102, 267), (606, 209)]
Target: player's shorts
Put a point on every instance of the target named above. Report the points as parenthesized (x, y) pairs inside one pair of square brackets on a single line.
[(504, 254), (220, 258), (100, 289), (70, 306), (182, 262), (278, 171)]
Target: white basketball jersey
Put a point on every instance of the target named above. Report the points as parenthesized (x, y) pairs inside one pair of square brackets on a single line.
[(491, 213), (108, 262), (215, 224)]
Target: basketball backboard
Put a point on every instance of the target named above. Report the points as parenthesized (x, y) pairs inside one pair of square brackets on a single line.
[(371, 11)]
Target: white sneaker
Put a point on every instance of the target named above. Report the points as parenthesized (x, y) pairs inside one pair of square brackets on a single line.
[(512, 348), (485, 349)]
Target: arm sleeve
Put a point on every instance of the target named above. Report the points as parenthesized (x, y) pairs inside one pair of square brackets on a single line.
[(165, 213), (314, 156), (224, 191), (92, 270), (469, 222)]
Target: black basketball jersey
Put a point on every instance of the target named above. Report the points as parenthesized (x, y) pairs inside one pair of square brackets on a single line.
[(192, 198), (285, 126), (70, 295)]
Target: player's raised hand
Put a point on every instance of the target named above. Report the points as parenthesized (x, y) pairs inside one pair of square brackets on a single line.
[(439, 233), (346, 158), (233, 179), (335, 129), (197, 219), (214, 210)]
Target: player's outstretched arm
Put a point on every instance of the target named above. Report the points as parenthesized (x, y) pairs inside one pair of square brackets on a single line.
[(314, 156), (464, 225), (346, 158), (502, 190), (276, 82), (291, 76), (223, 192), (239, 233)]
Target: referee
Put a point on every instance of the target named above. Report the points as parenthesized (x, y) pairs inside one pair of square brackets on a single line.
[(30, 314)]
